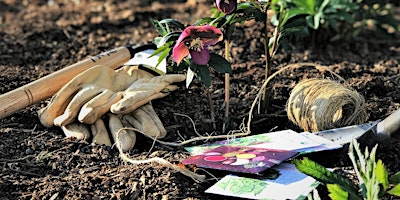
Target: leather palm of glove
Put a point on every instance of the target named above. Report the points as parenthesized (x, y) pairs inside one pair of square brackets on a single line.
[(96, 91)]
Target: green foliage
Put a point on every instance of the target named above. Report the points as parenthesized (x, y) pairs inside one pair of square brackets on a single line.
[(372, 175), (332, 19), (336, 192), (217, 62), (170, 30), (323, 175)]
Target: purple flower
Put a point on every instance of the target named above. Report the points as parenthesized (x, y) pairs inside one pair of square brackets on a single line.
[(194, 40), (226, 6)]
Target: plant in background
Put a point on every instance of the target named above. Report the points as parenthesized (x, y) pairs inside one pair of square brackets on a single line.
[(376, 13), (373, 178), (331, 20)]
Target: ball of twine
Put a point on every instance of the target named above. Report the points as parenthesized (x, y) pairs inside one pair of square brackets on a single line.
[(320, 104)]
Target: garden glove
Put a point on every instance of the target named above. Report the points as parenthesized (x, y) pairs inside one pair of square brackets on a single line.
[(143, 119), (90, 95)]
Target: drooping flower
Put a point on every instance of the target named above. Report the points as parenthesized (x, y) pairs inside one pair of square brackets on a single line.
[(226, 6), (195, 40)]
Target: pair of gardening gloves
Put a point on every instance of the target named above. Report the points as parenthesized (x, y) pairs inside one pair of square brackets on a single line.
[(99, 103)]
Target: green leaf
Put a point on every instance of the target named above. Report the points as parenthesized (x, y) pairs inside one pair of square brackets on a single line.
[(172, 36), (163, 55), (161, 48), (395, 178), (320, 173), (218, 22), (220, 64), (336, 192), (203, 74), (395, 191), (159, 27), (382, 175), (173, 22), (202, 21), (244, 6)]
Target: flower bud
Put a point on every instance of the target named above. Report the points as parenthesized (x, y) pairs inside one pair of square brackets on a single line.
[(226, 6)]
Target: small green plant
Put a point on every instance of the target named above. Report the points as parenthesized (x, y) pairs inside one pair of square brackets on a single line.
[(332, 20), (372, 175)]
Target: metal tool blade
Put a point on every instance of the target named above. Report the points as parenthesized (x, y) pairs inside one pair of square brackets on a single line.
[(346, 134)]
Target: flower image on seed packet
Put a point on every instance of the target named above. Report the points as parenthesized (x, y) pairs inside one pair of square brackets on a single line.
[(240, 159)]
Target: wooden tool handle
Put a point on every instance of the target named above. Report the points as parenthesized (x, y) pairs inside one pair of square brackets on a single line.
[(47, 86)]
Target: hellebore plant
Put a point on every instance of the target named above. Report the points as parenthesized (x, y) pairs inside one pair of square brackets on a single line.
[(189, 45), (190, 50)]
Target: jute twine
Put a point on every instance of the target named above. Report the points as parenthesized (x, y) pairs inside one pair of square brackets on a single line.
[(321, 104)]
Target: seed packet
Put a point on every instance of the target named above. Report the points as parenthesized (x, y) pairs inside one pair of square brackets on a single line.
[(240, 159)]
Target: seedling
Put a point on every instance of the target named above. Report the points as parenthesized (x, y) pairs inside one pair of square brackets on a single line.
[(372, 175)]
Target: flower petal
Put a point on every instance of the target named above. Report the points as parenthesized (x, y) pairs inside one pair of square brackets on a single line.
[(180, 51), (209, 35), (200, 57)]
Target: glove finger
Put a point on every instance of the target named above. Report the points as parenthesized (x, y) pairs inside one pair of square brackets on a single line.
[(76, 130), (100, 134), (143, 91), (146, 120), (148, 108), (131, 103), (167, 79), (55, 108), (60, 100), (126, 138), (83, 96), (98, 106)]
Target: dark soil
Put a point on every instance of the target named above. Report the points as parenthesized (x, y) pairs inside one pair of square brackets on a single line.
[(39, 37)]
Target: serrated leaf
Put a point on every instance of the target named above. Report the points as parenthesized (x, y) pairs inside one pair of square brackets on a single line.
[(395, 178), (382, 175), (220, 64), (395, 191), (336, 192), (320, 173)]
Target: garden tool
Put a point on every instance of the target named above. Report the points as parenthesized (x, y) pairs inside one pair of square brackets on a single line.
[(368, 133)]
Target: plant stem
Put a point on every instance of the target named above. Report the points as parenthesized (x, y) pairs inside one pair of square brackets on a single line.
[(211, 105), (265, 96), (269, 53), (227, 87)]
